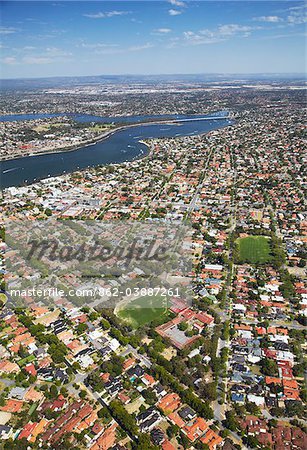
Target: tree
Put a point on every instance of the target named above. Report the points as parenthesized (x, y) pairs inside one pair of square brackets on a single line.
[(251, 441), (231, 422), (53, 391), (294, 408), (269, 367), (184, 441), (277, 411), (125, 419), (81, 328), (82, 393), (172, 431), (48, 212), (144, 443), (149, 396), (183, 326), (202, 446), (208, 391), (104, 414)]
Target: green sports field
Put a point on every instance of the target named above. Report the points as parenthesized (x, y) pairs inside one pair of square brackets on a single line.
[(254, 249), (143, 310)]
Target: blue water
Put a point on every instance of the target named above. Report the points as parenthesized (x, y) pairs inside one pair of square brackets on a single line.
[(121, 146), (88, 118)]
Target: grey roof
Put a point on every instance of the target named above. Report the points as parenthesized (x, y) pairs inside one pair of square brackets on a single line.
[(17, 392)]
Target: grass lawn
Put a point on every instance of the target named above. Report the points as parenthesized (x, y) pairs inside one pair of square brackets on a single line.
[(143, 310), (254, 249), (26, 360), (33, 408), (3, 298)]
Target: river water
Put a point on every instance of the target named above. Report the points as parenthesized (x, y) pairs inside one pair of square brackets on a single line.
[(123, 145)]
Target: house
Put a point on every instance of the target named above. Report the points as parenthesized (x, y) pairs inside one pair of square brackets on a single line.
[(61, 375), (193, 353), (187, 413), (135, 372), (27, 430), (176, 419), (157, 436), (159, 390), (148, 380), (257, 399), (148, 419), (106, 440), (169, 403), (32, 395), (114, 344), (17, 392), (30, 368), (212, 439), (238, 398), (114, 386), (55, 405), (271, 401), (7, 366), (195, 428), (38, 429), (12, 406), (167, 445), (257, 427), (128, 363), (5, 432), (125, 399), (40, 353), (45, 373)]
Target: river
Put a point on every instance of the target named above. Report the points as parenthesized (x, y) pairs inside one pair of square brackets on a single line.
[(123, 145)]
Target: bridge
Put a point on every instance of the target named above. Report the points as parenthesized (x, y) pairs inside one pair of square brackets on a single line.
[(194, 119)]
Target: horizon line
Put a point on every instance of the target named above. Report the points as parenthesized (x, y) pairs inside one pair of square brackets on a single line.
[(303, 74)]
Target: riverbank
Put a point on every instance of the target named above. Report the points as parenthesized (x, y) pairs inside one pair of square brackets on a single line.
[(121, 145), (87, 143), (69, 148)]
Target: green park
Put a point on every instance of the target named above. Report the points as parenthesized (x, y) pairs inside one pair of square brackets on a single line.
[(254, 249), (143, 310)]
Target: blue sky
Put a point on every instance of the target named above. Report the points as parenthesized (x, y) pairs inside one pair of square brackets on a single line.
[(66, 38)]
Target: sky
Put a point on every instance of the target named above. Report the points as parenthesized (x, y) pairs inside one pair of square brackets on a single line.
[(68, 38)]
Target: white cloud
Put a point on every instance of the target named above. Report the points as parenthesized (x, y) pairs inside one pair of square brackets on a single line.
[(57, 52), (137, 48), (10, 60), (117, 50), (177, 3), (174, 12), (104, 15), (37, 60), (232, 29), (49, 55), (283, 36), (222, 33), (7, 30), (162, 30), (98, 45), (297, 18), (270, 19), (296, 8), (202, 37)]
